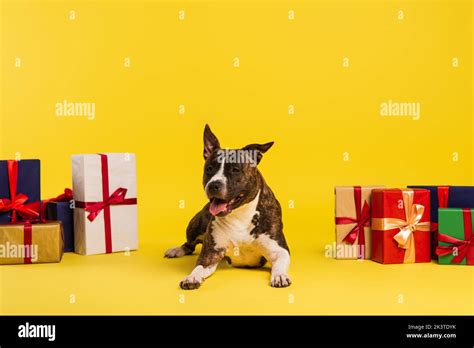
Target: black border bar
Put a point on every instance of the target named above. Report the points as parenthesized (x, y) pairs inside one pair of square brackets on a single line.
[(244, 330)]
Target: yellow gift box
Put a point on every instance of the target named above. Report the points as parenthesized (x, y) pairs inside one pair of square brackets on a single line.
[(24, 243)]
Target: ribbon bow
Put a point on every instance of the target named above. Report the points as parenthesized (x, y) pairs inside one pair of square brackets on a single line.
[(361, 221), (461, 247), (116, 198), (405, 237), (63, 197), (16, 203), (41, 206), (18, 206)]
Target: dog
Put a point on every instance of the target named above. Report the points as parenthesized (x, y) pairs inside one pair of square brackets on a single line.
[(242, 222)]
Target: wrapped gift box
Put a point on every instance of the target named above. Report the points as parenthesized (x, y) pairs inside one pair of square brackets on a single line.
[(353, 237), (401, 225), (19, 190), (31, 242), (66, 196), (446, 197), (62, 211), (105, 213), (456, 236)]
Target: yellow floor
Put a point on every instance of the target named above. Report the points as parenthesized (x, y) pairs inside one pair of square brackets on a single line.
[(146, 283)]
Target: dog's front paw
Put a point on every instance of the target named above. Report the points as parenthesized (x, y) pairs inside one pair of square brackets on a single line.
[(280, 280), (191, 282), (175, 252)]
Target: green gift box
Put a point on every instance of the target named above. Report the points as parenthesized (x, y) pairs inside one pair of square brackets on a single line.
[(456, 236)]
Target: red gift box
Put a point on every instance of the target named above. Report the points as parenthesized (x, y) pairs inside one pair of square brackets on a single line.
[(401, 225)]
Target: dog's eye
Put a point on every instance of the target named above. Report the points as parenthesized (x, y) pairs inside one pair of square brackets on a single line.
[(209, 169), (235, 170)]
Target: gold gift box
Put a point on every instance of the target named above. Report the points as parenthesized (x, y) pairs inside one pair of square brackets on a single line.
[(47, 243), (346, 208)]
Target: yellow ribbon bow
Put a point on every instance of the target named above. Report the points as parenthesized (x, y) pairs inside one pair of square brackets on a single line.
[(405, 238)]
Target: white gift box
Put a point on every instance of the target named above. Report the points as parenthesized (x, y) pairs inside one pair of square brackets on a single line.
[(105, 213)]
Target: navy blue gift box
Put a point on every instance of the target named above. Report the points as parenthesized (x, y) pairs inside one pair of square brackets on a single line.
[(63, 212), (454, 197), (28, 183)]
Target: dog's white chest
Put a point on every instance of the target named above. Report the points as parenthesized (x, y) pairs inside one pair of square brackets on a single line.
[(232, 233)]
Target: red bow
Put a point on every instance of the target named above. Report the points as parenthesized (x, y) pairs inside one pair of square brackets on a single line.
[(63, 197), (464, 248), (41, 206), (18, 206), (16, 203), (461, 246), (116, 198), (362, 219)]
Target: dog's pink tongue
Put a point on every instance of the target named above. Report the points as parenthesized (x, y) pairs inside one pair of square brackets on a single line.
[(217, 206)]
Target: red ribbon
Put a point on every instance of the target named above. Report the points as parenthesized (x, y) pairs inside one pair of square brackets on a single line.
[(16, 203), (28, 237), (116, 198), (443, 195), (63, 197), (40, 207), (362, 220), (464, 248)]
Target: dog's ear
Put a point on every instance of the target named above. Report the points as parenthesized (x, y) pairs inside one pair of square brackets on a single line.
[(210, 142), (258, 150)]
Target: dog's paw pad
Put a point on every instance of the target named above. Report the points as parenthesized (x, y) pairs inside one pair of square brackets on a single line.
[(191, 282), (175, 252), (280, 281)]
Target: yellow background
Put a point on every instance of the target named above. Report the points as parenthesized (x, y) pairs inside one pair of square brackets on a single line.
[(282, 62)]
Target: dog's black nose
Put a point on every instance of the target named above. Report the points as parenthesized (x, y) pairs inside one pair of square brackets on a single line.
[(214, 187)]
